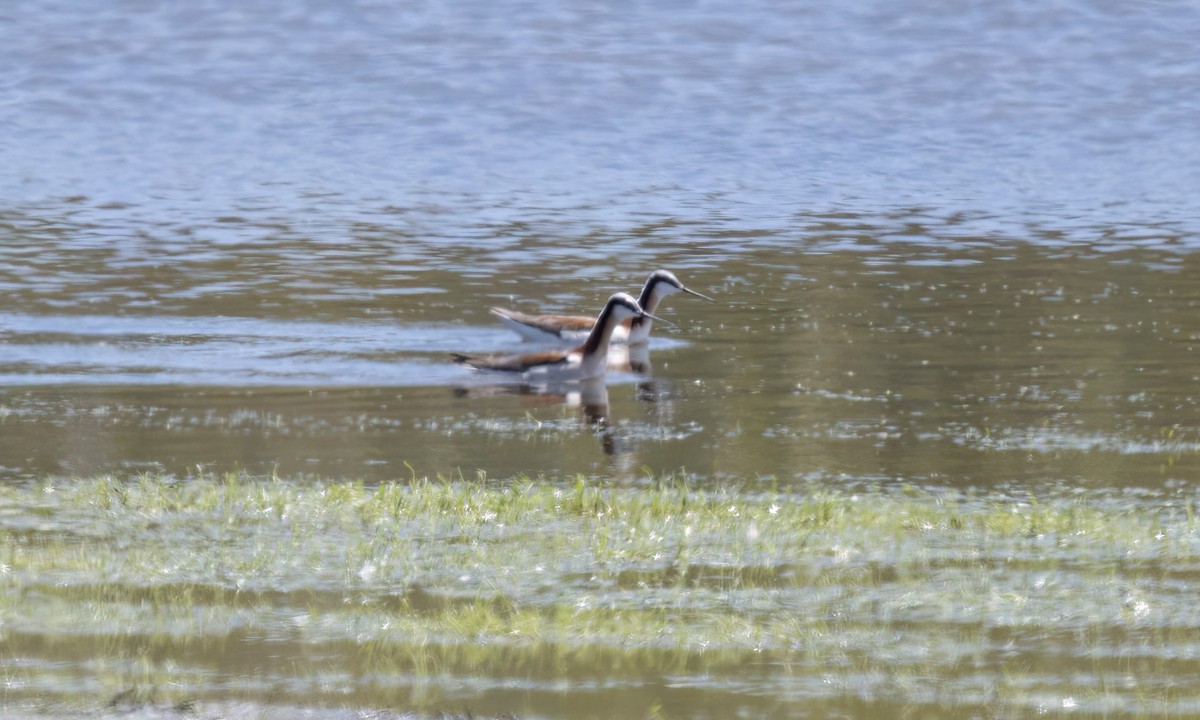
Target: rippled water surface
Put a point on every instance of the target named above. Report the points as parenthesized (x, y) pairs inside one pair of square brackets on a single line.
[(862, 348), (952, 246)]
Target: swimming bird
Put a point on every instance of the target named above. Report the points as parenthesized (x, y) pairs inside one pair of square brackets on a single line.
[(588, 360), (573, 328)]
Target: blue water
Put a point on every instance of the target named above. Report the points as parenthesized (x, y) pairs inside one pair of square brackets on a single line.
[(452, 120)]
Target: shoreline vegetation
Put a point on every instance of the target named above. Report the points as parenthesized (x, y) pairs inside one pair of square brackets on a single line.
[(540, 597)]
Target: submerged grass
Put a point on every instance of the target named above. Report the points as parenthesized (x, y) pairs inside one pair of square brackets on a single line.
[(233, 586)]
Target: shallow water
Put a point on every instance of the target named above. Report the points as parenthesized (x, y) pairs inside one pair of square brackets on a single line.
[(545, 599), (952, 247), (977, 363)]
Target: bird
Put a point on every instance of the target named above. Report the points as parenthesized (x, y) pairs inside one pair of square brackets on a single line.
[(588, 360), (573, 328)]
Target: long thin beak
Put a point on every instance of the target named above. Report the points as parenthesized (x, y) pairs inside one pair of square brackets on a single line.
[(655, 317), (699, 295)]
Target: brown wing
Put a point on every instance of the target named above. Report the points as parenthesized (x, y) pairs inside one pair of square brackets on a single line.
[(513, 363), (552, 324)]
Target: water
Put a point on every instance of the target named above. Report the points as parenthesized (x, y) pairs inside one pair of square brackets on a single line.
[(953, 246), (323, 114), (931, 362)]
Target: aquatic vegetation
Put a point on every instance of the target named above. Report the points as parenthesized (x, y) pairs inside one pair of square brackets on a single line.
[(429, 589)]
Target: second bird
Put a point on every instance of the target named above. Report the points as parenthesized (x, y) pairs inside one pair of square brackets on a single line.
[(588, 360), (574, 328)]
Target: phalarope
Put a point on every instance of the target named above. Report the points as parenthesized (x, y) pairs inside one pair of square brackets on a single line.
[(573, 328), (588, 360)]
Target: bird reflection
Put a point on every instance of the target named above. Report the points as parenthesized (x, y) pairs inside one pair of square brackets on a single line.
[(630, 358), (591, 396), (592, 399), (636, 359)]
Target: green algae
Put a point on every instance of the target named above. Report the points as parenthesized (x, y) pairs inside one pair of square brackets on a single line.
[(436, 590)]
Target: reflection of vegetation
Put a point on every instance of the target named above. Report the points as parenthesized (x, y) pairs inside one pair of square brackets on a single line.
[(426, 589)]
